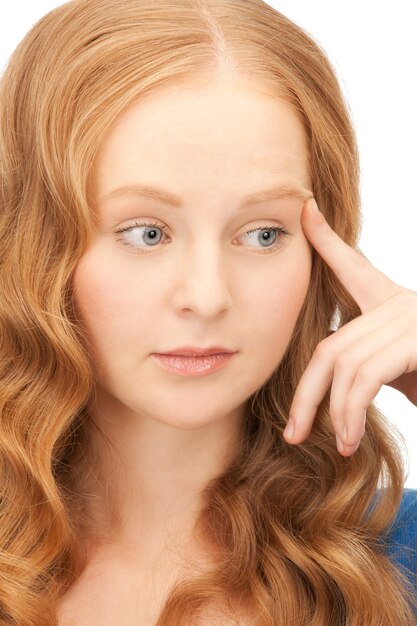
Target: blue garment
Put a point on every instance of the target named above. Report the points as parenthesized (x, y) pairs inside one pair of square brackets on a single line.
[(401, 538)]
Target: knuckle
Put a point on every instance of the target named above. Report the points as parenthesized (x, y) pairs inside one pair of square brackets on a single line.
[(346, 360), (404, 298), (363, 373), (325, 348), (336, 415), (350, 409)]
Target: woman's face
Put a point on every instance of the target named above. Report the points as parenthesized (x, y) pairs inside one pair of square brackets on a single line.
[(197, 276)]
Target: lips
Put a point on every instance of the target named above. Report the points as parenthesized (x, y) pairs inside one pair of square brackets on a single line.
[(191, 366), (193, 351)]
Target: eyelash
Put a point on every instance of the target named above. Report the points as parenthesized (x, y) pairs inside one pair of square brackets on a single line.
[(277, 229)]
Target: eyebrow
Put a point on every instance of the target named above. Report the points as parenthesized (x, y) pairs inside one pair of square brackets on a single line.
[(167, 197)]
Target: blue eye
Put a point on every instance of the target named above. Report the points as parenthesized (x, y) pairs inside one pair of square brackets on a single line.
[(150, 234), (151, 231), (265, 237)]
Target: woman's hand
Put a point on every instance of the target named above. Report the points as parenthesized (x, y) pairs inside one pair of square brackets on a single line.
[(379, 347)]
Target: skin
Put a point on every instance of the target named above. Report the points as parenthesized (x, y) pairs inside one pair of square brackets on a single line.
[(207, 283), (376, 348), (212, 144)]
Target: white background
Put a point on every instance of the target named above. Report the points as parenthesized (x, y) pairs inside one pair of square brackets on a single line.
[(373, 48)]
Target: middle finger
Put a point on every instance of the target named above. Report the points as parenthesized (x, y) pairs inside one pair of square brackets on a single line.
[(318, 375), (346, 367)]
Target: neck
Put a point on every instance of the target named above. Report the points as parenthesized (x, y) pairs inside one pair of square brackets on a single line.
[(145, 479)]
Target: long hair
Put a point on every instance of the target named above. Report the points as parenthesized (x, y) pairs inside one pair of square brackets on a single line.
[(296, 538)]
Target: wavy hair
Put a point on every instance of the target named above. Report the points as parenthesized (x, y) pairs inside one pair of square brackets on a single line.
[(297, 539)]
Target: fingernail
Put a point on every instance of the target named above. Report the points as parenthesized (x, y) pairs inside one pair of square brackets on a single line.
[(314, 207), (289, 430), (345, 433)]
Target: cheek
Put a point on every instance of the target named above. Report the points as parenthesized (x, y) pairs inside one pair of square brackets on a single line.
[(279, 301), (103, 303), (284, 298), (112, 304)]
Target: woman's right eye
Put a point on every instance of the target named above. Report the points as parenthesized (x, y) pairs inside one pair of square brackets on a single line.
[(150, 230)]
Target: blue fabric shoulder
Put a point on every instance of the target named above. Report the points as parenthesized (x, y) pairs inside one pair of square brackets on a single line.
[(401, 538)]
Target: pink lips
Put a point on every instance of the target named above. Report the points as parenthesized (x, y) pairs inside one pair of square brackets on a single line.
[(195, 351), (193, 365)]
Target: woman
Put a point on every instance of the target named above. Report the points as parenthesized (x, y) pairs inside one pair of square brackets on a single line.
[(182, 177)]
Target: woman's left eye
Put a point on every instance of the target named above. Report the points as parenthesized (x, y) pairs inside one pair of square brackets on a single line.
[(263, 235)]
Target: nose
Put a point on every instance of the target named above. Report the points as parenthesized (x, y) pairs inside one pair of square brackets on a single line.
[(203, 280)]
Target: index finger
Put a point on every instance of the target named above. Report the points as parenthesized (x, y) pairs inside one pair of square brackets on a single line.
[(366, 284)]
